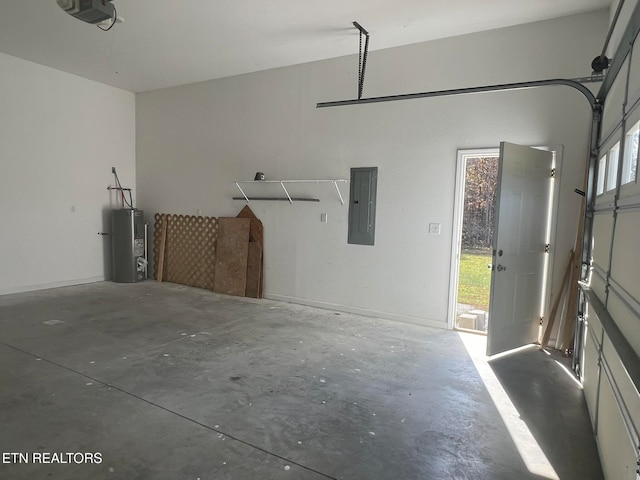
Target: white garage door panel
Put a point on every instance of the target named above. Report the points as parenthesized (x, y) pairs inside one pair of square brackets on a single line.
[(616, 450), (625, 268), (598, 286), (628, 7), (590, 369), (630, 395), (613, 106), (626, 321), (602, 228), (634, 80), (629, 195)]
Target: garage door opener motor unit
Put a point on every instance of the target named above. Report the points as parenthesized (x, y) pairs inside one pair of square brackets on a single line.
[(90, 11)]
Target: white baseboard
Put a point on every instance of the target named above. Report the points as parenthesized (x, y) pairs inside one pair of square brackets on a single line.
[(425, 322), (45, 286)]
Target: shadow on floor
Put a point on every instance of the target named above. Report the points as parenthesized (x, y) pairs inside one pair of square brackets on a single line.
[(551, 403)]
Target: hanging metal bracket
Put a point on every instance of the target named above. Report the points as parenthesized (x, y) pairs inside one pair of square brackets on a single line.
[(362, 57)]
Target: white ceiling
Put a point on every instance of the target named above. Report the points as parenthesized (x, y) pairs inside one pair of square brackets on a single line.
[(164, 43)]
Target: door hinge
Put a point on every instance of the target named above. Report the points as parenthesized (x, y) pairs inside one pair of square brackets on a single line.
[(553, 173), (547, 248)]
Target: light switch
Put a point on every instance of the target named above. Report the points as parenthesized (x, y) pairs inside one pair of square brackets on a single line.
[(323, 217), (434, 228)]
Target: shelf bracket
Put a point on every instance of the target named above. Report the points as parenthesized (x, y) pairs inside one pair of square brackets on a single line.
[(285, 191), (242, 191), (338, 190), (282, 183)]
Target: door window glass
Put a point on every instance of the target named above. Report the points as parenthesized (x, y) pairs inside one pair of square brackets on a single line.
[(612, 170), (630, 161)]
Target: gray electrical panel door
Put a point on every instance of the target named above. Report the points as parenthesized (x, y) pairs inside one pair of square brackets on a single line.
[(362, 205)]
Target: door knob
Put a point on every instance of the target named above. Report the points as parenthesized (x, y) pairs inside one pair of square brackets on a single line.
[(501, 268)]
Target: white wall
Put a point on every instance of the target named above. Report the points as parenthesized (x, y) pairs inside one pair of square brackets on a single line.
[(59, 137), (194, 140)]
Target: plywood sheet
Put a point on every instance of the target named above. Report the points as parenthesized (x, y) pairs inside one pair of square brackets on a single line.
[(162, 249), (256, 232), (254, 270), (232, 252)]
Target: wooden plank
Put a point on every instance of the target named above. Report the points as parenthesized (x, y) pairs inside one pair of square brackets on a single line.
[(254, 270), (232, 251), (256, 234), (163, 243), (260, 290), (572, 309), (261, 285), (556, 303), (246, 212)]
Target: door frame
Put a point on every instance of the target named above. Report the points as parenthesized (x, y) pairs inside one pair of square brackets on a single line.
[(456, 244), (458, 205)]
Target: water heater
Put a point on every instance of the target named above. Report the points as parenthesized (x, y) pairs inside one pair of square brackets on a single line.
[(128, 246)]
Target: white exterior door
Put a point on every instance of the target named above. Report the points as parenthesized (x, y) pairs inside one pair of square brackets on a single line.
[(522, 211)]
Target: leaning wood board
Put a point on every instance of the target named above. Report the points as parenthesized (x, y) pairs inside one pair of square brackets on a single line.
[(254, 270), (256, 234), (556, 303), (232, 252), (162, 248), (256, 231)]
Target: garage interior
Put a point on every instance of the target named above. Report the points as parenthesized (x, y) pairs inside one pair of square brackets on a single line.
[(167, 381), (337, 357)]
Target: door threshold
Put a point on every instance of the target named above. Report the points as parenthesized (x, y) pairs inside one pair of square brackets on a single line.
[(470, 330)]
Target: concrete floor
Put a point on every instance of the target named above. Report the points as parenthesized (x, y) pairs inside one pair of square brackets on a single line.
[(171, 382)]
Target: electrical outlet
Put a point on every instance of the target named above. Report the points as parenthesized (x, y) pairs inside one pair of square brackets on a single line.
[(434, 228)]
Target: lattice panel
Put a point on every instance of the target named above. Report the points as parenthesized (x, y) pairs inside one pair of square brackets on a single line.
[(189, 253)]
